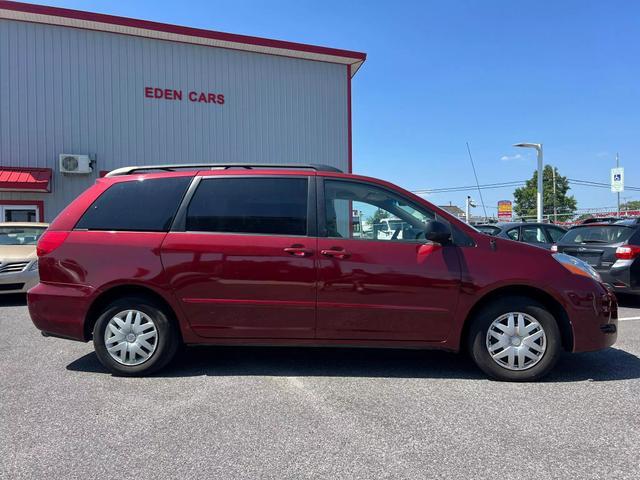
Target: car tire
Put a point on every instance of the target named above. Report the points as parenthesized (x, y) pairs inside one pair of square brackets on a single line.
[(135, 336), (514, 349)]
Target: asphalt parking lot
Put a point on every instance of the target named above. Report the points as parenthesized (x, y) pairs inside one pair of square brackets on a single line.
[(312, 413)]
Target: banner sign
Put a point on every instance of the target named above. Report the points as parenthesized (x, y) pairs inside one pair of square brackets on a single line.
[(617, 179), (505, 210)]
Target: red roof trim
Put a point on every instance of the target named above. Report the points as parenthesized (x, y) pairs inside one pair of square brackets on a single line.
[(176, 29), (15, 179)]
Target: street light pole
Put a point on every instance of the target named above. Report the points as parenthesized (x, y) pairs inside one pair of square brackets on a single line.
[(618, 166), (538, 147), (555, 210), (470, 203)]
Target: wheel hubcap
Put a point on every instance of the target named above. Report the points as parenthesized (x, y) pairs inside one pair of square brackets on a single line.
[(131, 337), (516, 341)]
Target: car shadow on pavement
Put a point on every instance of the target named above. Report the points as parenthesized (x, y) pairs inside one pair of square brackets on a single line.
[(13, 300), (607, 365)]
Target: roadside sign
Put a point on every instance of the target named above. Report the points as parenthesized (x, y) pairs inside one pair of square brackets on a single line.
[(617, 179), (505, 210)]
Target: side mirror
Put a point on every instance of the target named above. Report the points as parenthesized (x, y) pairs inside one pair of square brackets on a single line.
[(437, 232)]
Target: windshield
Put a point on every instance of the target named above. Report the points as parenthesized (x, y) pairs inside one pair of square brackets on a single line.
[(20, 235), (598, 234)]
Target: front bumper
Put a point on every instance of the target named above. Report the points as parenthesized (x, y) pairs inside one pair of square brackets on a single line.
[(60, 310), (18, 282), (594, 319)]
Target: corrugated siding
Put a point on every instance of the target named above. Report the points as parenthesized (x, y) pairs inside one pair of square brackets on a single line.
[(66, 90)]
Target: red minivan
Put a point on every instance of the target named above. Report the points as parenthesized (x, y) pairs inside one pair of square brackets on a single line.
[(153, 257)]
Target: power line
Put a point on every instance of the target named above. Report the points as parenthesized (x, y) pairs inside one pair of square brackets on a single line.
[(469, 187), (477, 183), (514, 183)]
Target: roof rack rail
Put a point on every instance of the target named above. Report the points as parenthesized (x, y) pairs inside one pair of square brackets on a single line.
[(219, 166)]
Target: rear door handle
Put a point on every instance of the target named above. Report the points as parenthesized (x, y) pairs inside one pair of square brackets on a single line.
[(298, 251), (336, 253)]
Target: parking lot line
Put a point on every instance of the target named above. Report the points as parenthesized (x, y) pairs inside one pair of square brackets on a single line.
[(628, 318)]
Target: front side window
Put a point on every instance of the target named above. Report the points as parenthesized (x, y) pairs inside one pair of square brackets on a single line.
[(360, 211), (147, 205), (274, 206)]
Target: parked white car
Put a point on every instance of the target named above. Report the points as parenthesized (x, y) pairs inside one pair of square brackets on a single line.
[(18, 260)]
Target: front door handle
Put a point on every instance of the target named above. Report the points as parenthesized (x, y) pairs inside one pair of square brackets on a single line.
[(298, 251), (336, 253)]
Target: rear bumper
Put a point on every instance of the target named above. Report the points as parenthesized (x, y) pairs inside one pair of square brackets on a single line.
[(18, 282), (60, 310), (620, 278), (594, 320)]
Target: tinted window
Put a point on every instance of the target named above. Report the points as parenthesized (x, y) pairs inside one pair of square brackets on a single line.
[(555, 233), (361, 211), (598, 234), (276, 206), (532, 234), (147, 205), (514, 233)]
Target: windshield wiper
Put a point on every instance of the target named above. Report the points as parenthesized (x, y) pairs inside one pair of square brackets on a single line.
[(595, 241)]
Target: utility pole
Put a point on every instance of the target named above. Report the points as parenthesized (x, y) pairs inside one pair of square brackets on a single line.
[(617, 166), (555, 212)]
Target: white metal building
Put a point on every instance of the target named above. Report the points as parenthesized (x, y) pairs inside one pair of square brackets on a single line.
[(88, 93)]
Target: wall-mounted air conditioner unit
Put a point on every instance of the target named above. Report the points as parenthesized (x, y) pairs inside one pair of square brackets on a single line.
[(77, 164)]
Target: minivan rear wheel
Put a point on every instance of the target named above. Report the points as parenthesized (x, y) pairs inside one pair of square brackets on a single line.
[(515, 339), (134, 336)]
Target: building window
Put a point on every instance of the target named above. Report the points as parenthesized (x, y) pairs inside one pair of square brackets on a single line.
[(20, 213)]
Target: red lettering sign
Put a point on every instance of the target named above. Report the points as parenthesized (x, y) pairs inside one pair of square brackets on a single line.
[(193, 96)]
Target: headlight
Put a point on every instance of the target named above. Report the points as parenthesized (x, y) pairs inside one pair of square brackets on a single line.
[(33, 266), (577, 266)]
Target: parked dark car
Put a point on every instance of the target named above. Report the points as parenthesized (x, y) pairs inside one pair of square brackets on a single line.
[(587, 221), (539, 234), (613, 250), (153, 257), (629, 221)]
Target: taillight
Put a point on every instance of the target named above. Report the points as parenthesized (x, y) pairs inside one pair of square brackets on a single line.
[(627, 252), (554, 248), (49, 241)]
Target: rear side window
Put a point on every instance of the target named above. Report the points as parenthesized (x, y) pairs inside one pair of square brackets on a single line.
[(145, 206), (598, 234), (555, 233), (275, 206), (514, 233), (532, 234)]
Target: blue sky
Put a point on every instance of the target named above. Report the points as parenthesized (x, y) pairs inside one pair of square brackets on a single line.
[(440, 74)]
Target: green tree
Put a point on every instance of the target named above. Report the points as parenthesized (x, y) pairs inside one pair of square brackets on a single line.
[(525, 197), (378, 215), (632, 205)]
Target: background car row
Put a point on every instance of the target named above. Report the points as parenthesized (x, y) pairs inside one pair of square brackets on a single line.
[(612, 248)]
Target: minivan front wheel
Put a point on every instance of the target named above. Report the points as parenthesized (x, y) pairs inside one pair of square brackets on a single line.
[(134, 336), (515, 339)]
